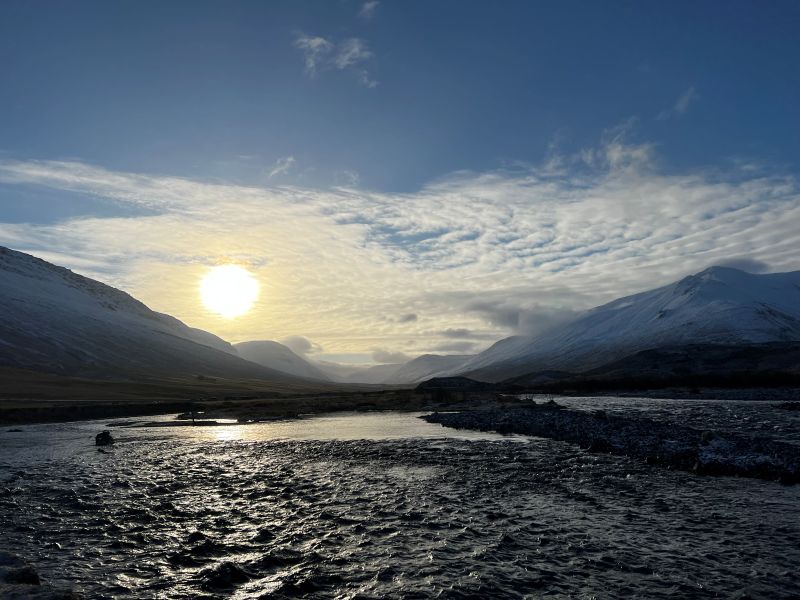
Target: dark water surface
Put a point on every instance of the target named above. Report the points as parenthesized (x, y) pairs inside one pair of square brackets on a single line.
[(386, 505)]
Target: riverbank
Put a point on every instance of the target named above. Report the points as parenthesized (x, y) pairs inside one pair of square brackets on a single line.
[(755, 394), (245, 408), (661, 443)]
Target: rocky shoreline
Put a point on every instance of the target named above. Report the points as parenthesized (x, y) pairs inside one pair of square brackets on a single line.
[(679, 447)]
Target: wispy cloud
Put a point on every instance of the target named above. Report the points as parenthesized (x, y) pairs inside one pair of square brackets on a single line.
[(351, 55), (486, 254), (457, 333), (281, 167), (316, 51), (457, 347), (681, 105), (351, 52), (367, 10), (347, 178)]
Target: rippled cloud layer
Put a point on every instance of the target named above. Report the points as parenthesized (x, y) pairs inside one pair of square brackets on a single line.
[(482, 254)]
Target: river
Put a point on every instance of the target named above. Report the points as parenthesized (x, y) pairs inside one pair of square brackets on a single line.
[(381, 505)]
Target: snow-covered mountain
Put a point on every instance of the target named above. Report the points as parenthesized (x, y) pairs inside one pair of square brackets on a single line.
[(279, 357), (427, 366), (720, 305), (57, 321), (415, 370)]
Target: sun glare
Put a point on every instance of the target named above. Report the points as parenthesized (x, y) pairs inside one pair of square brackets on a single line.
[(229, 290)]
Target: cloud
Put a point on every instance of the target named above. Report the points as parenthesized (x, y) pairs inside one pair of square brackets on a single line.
[(457, 333), (407, 318), (681, 105), (744, 263), (460, 347), (301, 345), (316, 50), (281, 167), (389, 357), (366, 80), (347, 178), (351, 54), (368, 9), (492, 253)]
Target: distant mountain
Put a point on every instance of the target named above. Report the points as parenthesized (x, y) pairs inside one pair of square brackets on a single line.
[(56, 321), (717, 306), (427, 366), (415, 370), (279, 357), (375, 374)]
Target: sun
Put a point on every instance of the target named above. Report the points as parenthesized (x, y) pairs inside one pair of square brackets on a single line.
[(229, 290)]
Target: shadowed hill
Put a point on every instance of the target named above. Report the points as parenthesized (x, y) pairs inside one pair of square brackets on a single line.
[(55, 321)]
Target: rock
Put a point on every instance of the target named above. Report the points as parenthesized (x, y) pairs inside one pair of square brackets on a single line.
[(197, 536), (599, 445), (23, 575), (550, 405), (668, 444), (8, 563), (224, 575), (103, 438), (20, 581), (15, 431)]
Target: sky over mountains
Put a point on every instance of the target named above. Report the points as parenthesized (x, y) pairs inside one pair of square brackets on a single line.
[(401, 177)]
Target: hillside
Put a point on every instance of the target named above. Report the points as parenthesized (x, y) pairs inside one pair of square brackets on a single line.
[(717, 306), (277, 356), (55, 321)]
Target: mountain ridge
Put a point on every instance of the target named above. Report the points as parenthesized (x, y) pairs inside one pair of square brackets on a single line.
[(718, 305), (56, 321)]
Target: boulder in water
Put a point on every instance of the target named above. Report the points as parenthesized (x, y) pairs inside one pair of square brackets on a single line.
[(104, 438), (20, 580)]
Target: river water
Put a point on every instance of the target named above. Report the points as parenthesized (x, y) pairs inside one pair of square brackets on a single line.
[(385, 505)]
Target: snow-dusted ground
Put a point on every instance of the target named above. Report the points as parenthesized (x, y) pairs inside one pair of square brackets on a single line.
[(54, 320), (719, 306)]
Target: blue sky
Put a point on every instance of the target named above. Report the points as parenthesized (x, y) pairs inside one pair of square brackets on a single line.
[(417, 131), (218, 89)]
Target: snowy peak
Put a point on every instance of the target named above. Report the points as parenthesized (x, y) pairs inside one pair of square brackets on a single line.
[(719, 305)]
